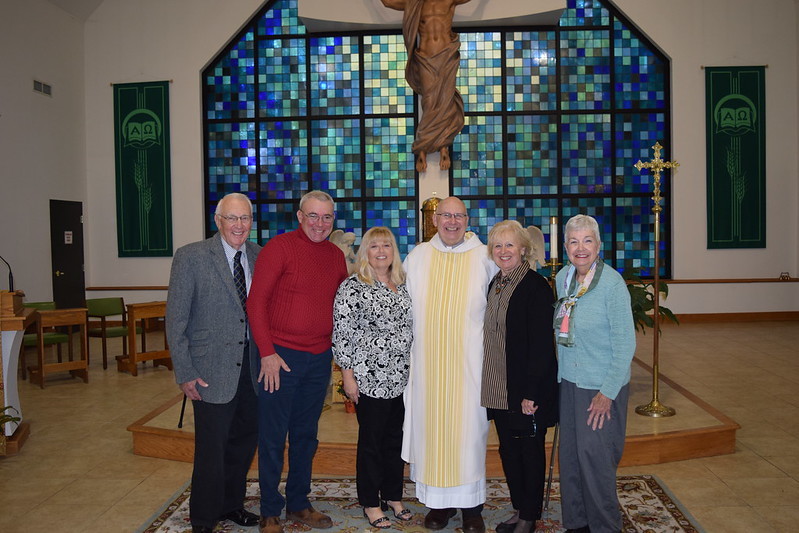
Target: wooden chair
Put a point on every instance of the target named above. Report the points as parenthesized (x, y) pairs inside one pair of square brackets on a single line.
[(70, 318), (141, 312), (102, 309), (50, 338)]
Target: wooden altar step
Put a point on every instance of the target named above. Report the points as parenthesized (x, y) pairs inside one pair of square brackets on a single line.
[(698, 430)]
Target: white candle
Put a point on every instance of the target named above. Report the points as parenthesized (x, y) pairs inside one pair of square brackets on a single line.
[(553, 238)]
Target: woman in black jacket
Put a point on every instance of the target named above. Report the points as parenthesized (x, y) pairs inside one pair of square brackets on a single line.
[(519, 386)]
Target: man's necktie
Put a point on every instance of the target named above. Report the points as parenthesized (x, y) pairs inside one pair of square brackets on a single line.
[(241, 283)]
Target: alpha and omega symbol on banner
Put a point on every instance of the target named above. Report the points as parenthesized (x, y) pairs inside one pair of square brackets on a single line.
[(735, 115), (141, 129)]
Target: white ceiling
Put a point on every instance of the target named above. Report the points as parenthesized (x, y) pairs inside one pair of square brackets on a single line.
[(80, 9)]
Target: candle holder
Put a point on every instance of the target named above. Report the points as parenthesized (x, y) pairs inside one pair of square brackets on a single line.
[(553, 265)]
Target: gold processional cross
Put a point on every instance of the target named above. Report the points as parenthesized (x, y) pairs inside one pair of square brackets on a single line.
[(654, 408)]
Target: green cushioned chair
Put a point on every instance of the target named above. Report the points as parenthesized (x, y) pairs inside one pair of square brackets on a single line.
[(50, 338), (102, 309)]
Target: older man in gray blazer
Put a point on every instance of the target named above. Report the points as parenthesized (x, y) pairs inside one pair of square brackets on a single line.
[(215, 363)]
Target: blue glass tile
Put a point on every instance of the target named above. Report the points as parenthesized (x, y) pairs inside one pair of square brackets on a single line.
[(477, 157), (281, 78), (283, 154), (389, 161), (532, 148), (531, 79), (480, 74), (335, 76), (586, 154), (636, 133), (385, 88), (281, 19), (336, 159)]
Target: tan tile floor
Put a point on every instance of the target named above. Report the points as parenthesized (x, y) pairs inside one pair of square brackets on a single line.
[(77, 471)]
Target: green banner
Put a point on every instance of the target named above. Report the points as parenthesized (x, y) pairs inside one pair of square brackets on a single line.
[(141, 149), (736, 157)]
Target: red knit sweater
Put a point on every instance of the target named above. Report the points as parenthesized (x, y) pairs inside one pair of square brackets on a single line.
[(291, 298)]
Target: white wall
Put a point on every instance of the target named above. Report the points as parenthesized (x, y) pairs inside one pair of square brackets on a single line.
[(729, 33), (149, 40), (153, 40), (42, 139)]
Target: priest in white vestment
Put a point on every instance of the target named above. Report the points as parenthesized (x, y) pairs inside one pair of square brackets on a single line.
[(446, 428)]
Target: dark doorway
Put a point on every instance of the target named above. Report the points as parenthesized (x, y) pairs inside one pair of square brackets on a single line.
[(66, 245)]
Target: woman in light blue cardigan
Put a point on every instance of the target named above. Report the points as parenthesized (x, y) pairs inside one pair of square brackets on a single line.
[(596, 342)]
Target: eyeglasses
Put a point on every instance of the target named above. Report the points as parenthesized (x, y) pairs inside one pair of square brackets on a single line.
[(456, 216), (232, 219), (314, 217)]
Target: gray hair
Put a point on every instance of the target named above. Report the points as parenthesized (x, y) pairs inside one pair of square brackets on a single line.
[(322, 196), (232, 196), (582, 222), (520, 235)]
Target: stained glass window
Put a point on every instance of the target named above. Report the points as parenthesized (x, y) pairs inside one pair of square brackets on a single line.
[(555, 119)]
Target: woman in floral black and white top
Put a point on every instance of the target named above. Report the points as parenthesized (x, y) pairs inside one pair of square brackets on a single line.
[(372, 335)]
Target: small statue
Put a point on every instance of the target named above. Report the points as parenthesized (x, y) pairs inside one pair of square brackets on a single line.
[(537, 254), (345, 242)]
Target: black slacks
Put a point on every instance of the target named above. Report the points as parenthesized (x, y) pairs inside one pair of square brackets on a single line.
[(524, 462), (225, 438), (379, 467)]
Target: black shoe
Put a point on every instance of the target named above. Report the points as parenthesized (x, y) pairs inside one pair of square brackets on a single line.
[(438, 518), (241, 517), (474, 524), (504, 527), (583, 529), (202, 529), (525, 526)]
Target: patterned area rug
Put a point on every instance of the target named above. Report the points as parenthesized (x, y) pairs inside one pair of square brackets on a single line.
[(647, 506)]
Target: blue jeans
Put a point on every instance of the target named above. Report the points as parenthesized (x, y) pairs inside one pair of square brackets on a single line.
[(292, 410)]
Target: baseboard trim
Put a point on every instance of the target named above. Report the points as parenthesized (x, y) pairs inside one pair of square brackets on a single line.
[(767, 316)]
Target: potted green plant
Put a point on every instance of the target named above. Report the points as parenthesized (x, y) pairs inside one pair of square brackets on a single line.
[(4, 419), (642, 300)]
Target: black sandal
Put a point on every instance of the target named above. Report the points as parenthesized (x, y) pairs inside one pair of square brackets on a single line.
[(380, 523), (404, 515)]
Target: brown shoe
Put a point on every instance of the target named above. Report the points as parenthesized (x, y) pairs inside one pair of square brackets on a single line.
[(438, 518), (270, 524), (474, 524), (310, 517)]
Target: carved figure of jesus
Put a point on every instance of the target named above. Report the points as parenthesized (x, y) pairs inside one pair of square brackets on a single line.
[(433, 60)]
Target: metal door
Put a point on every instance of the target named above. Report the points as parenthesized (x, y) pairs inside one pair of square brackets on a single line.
[(66, 245)]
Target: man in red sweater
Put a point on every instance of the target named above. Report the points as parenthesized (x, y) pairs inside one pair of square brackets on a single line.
[(290, 308)]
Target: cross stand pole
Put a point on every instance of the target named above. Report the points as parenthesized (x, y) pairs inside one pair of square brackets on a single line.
[(654, 408)]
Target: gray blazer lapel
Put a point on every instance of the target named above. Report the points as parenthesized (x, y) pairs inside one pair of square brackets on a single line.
[(223, 268), (251, 257)]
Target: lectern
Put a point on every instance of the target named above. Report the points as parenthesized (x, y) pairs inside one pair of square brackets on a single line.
[(13, 320)]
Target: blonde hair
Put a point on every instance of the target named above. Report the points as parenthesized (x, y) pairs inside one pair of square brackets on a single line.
[(364, 270), (520, 235)]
